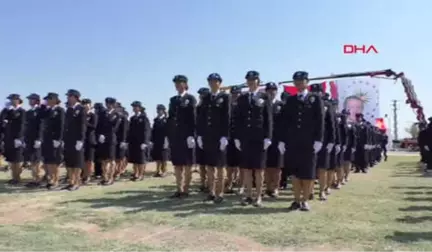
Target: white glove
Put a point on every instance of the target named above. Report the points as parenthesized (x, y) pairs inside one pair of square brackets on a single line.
[(101, 139), (337, 148), (166, 143), (329, 147), (37, 144), (199, 141), (18, 143), (56, 144), (353, 150), (78, 145), (317, 146), (143, 146), (123, 145), (426, 148), (344, 148), (281, 147), (190, 142), (237, 144), (365, 146), (267, 143), (223, 143)]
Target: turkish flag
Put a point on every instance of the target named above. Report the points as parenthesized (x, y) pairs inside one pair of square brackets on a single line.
[(379, 122)]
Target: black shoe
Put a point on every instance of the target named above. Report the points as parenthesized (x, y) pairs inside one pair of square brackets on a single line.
[(13, 182), (184, 195), (157, 175), (294, 206), (209, 198), (246, 201), (218, 200), (67, 187), (176, 195)]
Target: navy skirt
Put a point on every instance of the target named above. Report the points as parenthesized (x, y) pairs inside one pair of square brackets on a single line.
[(274, 157), (253, 155), (181, 155), (233, 155)]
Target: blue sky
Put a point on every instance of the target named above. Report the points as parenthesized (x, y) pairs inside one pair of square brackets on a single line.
[(131, 49)]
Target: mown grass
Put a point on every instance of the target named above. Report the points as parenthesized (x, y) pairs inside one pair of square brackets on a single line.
[(388, 209)]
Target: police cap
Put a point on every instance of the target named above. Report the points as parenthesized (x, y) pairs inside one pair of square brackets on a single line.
[(110, 100), (214, 76), (300, 75), (180, 78), (271, 86), (252, 75)]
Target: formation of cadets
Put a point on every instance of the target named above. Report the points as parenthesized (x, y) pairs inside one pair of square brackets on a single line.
[(245, 142)]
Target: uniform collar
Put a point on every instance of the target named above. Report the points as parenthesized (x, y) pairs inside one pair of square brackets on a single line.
[(75, 105), (182, 94), (110, 111), (138, 114), (161, 117), (14, 108), (215, 94), (34, 107), (274, 100), (303, 93), (254, 93)]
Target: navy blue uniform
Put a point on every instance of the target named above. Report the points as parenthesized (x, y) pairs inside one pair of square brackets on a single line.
[(139, 134), (33, 133), (122, 134), (90, 139), (213, 124), (159, 133), (254, 123), (75, 131), (14, 131), (54, 122), (323, 161), (181, 121), (108, 125), (274, 157)]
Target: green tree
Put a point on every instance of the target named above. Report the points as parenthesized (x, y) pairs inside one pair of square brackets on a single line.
[(413, 131)]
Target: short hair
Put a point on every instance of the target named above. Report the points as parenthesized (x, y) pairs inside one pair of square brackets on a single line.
[(354, 97)]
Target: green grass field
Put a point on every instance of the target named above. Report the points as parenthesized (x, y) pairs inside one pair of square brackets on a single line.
[(388, 209)]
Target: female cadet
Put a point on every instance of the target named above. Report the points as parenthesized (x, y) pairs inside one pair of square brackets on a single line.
[(52, 149), (75, 128), (333, 161), (181, 120), (14, 137), (121, 146), (350, 147), (100, 112), (254, 126), (274, 156), (285, 172), (138, 140), (323, 163), (341, 122), (33, 139), (90, 140), (199, 152), (212, 132), (159, 151), (302, 126), (109, 123), (233, 154)]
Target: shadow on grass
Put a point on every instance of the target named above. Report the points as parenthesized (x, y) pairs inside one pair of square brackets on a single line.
[(158, 200), (416, 209), (418, 199), (414, 220), (412, 187), (407, 237), (418, 193)]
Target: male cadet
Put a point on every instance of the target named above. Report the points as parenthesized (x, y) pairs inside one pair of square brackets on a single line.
[(110, 121), (199, 152), (33, 139), (213, 135), (274, 156), (302, 133), (75, 132)]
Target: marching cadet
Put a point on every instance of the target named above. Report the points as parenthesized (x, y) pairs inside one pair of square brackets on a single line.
[(100, 112), (285, 172), (181, 120), (75, 133), (14, 137), (302, 133), (107, 138), (213, 124), (324, 155), (233, 154), (199, 152), (274, 156), (33, 139), (254, 128), (52, 147), (90, 140), (138, 140), (334, 153), (159, 152), (360, 159), (343, 132), (121, 146), (348, 153)]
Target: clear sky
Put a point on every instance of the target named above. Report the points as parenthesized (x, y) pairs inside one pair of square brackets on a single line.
[(131, 49)]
